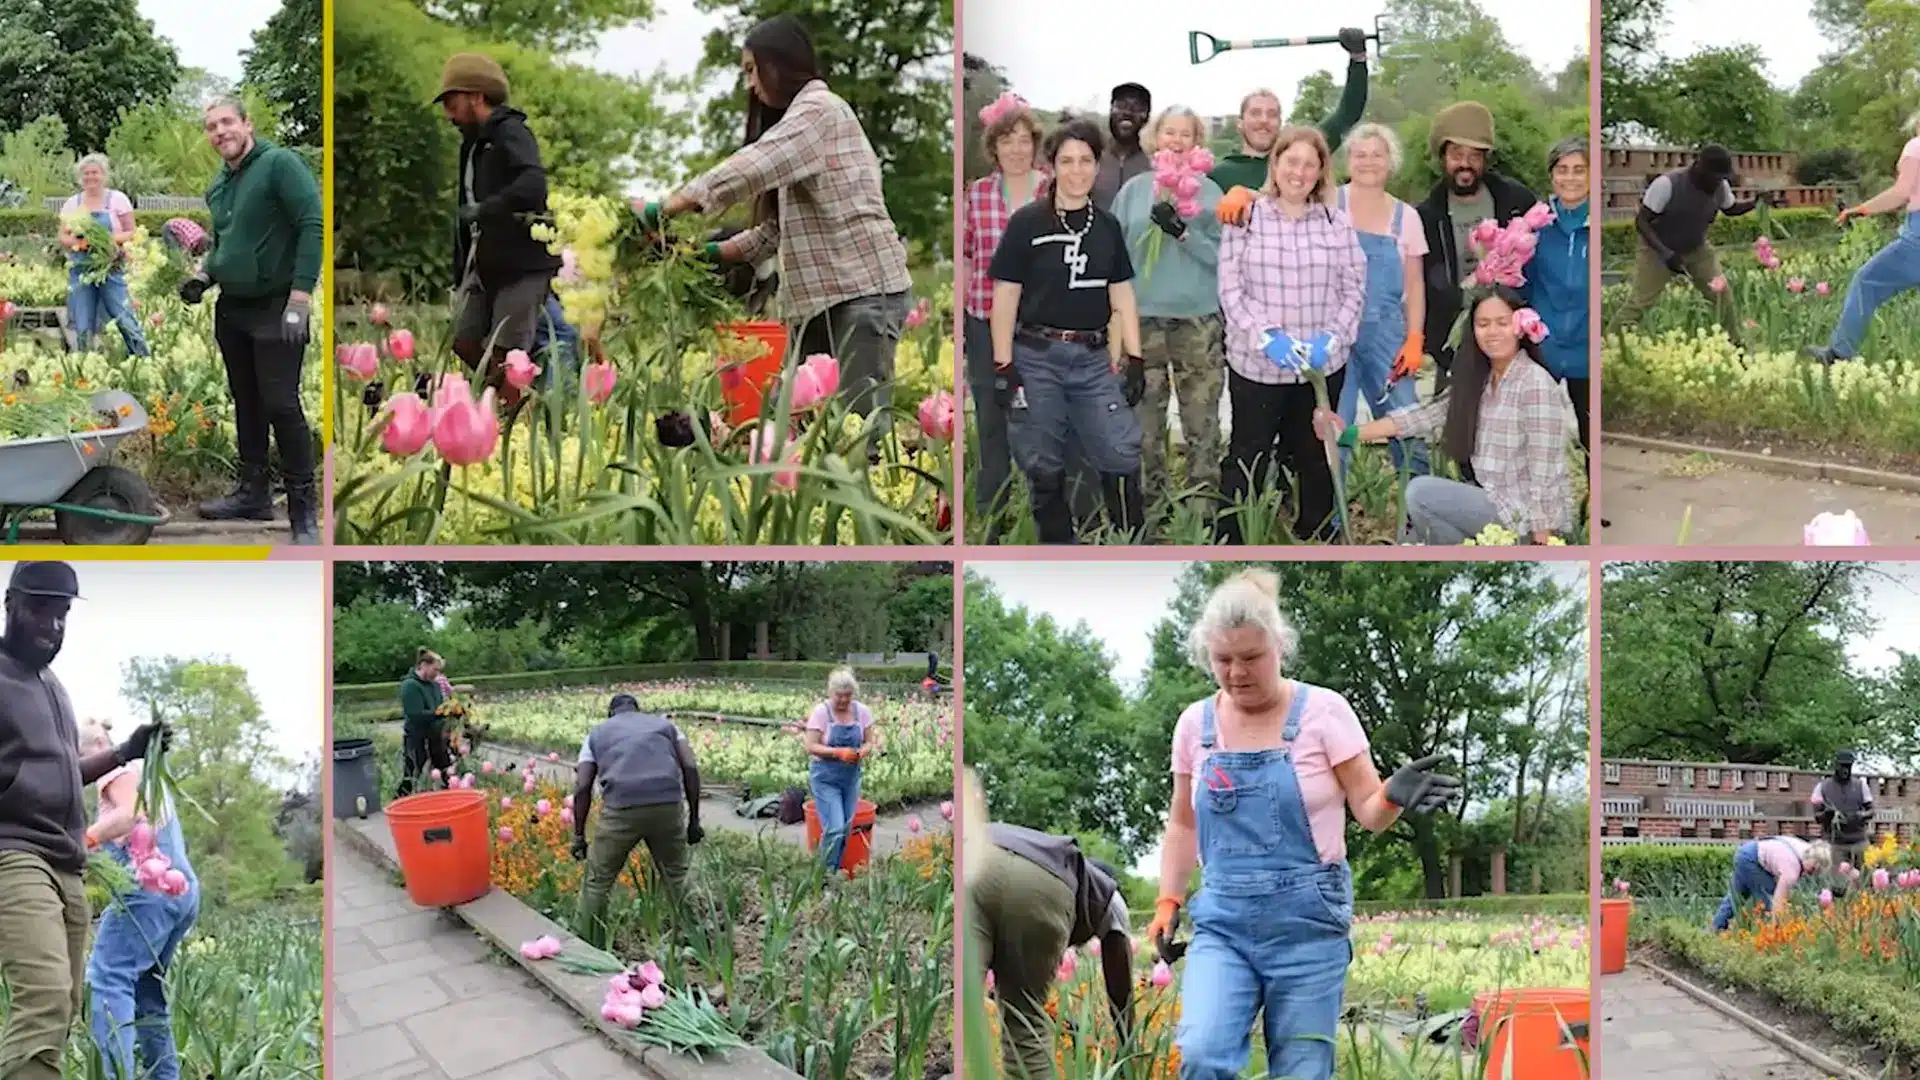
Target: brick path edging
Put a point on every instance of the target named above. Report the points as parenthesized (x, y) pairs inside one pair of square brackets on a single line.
[(1759, 1027)]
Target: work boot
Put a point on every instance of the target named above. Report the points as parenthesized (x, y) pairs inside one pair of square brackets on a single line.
[(302, 511), (1126, 504), (1824, 355), (250, 500), (1052, 516)]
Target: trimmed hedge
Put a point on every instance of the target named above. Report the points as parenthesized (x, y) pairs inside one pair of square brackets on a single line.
[(1855, 1003), (27, 222), (1509, 904), (1619, 240), (561, 678), (1657, 871)]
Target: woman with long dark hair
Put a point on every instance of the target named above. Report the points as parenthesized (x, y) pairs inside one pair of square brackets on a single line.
[(1503, 420), (816, 186)]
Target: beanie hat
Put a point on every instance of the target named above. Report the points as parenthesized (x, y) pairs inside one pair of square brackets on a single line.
[(1467, 123), (475, 73)]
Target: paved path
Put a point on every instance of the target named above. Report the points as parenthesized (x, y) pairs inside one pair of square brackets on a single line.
[(418, 996), (1652, 1031), (1645, 493)]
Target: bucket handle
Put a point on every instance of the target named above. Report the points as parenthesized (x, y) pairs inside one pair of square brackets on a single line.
[(1576, 1031), (437, 835)]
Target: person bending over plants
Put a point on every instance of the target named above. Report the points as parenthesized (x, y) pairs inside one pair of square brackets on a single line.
[(818, 200), (839, 739), (1895, 269), (424, 737), (1766, 870), (1676, 214), (650, 791), (1503, 421), (1265, 772)]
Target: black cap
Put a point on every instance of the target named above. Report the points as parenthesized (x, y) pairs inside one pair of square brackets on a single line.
[(1131, 89), (1844, 757), (45, 579), (622, 703), (1716, 162)]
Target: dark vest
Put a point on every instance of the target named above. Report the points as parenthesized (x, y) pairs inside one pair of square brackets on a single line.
[(1061, 856), (1683, 225)]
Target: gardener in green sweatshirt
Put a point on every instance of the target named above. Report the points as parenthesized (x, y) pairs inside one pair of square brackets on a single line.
[(650, 785), (1260, 121), (265, 257), (423, 729)]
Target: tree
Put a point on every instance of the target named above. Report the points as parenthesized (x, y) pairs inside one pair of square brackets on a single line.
[(1314, 99), (891, 61), (1722, 95), (1629, 51), (284, 64), (981, 83), (80, 60), (558, 26)]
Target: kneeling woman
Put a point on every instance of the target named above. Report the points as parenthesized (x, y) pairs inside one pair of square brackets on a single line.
[(1766, 870), (1503, 421), (1263, 773)]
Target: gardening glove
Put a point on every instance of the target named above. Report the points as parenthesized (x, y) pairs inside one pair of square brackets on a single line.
[(1166, 920), (1236, 206), (710, 251), (1414, 786), (1354, 40), (1321, 349), (294, 321), (848, 754), (1135, 374), (195, 288), (1675, 263), (135, 748), (695, 833), (579, 848), (1279, 349), (1006, 383), (1412, 356), (1165, 216)]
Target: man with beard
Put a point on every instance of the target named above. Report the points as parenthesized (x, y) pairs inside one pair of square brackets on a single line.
[(503, 274), (44, 914), (1843, 805), (1466, 194), (1260, 125), (265, 256), (1124, 158), (1675, 216)]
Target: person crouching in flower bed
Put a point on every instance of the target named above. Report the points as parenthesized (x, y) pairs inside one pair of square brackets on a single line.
[(424, 739), (839, 737), (1767, 870), (1502, 420), (142, 930), (650, 791), (1037, 897), (1263, 774)]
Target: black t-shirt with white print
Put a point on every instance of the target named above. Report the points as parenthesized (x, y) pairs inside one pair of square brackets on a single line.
[(1063, 272)]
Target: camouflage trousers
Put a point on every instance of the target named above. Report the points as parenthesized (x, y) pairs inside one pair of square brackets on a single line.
[(1186, 357)]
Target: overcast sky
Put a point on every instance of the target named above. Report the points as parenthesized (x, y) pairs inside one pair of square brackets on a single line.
[(209, 36), (267, 617), (1782, 29)]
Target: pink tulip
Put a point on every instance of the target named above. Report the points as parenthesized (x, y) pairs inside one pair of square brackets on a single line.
[(599, 381), (936, 416), (453, 388), (918, 316), (566, 815), (434, 773), (1881, 880), (1538, 216), (567, 802), (467, 431), (1823, 288), (467, 780), (140, 840), (506, 802), (506, 834), (946, 809), (989, 982), (1796, 285), (620, 1014), (570, 267), (1826, 898), (400, 345), (156, 319), (379, 315), (914, 825), (1165, 179), (1485, 233), (486, 767), (815, 381), (521, 370), (1846, 868), (1093, 947), (409, 426), (1528, 324), (1067, 967), (175, 883), (651, 974), (1187, 187), (1718, 284), (653, 997), (1200, 159), (156, 867), (1162, 976), (1839, 530), (358, 360), (553, 755), (621, 984), (1187, 208), (763, 454)]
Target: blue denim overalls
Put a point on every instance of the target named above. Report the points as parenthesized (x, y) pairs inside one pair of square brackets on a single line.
[(836, 789), (132, 950), (1888, 274), (87, 303), (1271, 922), (1383, 329)]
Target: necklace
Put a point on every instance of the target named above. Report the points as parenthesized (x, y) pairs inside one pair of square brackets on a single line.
[(1077, 234)]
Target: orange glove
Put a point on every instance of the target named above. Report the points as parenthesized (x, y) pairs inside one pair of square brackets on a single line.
[(93, 842), (849, 755), (1165, 911), (1412, 356), (1236, 206)]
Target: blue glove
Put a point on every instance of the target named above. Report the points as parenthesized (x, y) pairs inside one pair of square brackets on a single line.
[(1322, 350), (1281, 349)]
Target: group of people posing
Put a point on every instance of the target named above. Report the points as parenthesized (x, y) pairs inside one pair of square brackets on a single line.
[(1072, 355)]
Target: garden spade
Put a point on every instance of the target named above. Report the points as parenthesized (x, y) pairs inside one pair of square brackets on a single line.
[(1213, 46)]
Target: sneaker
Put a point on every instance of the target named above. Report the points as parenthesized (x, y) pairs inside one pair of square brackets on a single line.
[(1824, 355)]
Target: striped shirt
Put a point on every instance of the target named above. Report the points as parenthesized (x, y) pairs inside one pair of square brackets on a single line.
[(834, 236), (1302, 277), (1520, 451)]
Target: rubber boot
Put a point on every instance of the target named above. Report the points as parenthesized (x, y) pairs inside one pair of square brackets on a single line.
[(1126, 504), (1051, 513), (250, 500), (303, 511)]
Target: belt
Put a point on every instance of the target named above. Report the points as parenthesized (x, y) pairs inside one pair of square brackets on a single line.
[(1095, 338)]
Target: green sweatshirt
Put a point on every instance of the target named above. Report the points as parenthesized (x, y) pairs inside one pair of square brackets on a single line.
[(1250, 171), (267, 226), (1184, 283), (418, 699)]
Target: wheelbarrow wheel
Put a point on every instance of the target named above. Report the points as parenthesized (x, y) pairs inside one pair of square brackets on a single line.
[(108, 487)]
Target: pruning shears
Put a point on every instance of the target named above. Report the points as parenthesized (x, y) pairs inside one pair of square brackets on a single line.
[(1382, 33)]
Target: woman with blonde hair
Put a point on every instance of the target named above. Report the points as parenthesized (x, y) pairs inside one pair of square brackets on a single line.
[(839, 739), (1767, 870), (1294, 276), (141, 932), (90, 305), (1265, 771)]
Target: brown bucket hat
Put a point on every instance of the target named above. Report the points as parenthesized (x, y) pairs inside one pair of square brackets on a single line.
[(1467, 123), (475, 73)]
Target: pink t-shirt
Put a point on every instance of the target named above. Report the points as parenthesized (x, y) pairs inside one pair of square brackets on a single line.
[(1780, 856), (1912, 153), (823, 718), (1330, 735), (1413, 235), (117, 205)]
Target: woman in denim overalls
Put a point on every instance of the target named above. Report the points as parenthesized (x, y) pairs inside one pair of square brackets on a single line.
[(1390, 341), (837, 737), (88, 306), (1891, 272), (137, 938), (1273, 915)]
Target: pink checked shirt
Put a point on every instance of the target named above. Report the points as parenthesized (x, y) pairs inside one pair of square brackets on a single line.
[(1520, 452), (986, 222), (1302, 277)]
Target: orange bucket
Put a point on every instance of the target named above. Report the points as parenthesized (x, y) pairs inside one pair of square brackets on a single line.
[(446, 852), (859, 838), (1615, 915), (746, 383), (1529, 1024)]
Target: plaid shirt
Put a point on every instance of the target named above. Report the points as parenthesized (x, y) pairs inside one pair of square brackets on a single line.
[(834, 236), (1520, 451), (1301, 277), (986, 221)]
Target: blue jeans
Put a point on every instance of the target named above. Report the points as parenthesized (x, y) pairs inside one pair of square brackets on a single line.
[(1750, 879), (1070, 388), (86, 304), (132, 950), (1368, 369), (556, 344), (836, 796), (1891, 272)]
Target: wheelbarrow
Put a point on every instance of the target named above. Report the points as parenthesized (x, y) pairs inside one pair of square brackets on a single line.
[(93, 502)]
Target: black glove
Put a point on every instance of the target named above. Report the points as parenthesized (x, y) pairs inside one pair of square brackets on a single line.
[(1169, 220), (1169, 950), (195, 288), (1675, 263), (695, 833), (469, 214), (579, 848), (1354, 40), (1006, 381), (135, 748), (293, 321), (1414, 786), (1136, 380)]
